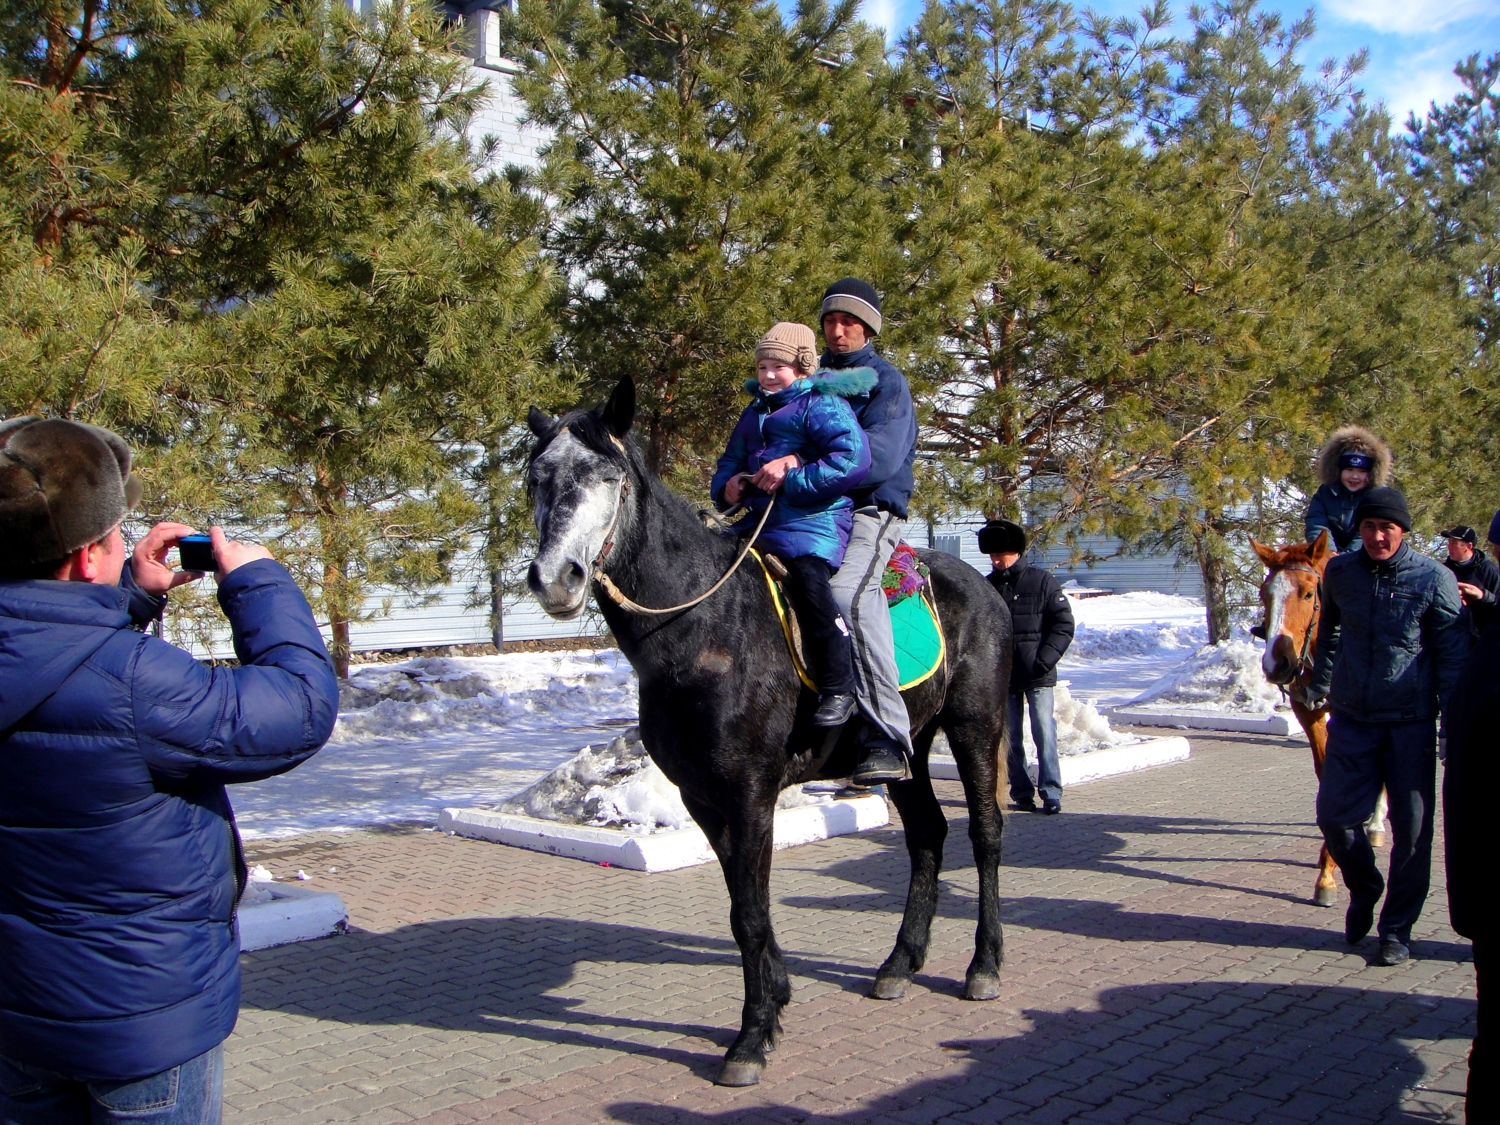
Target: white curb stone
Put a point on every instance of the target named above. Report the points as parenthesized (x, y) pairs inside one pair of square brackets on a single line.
[(659, 851), (1078, 768), (293, 914), (1205, 720)]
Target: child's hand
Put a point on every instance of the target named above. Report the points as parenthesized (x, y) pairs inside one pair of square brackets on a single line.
[(772, 473)]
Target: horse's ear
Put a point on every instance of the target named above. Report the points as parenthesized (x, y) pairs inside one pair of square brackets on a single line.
[(542, 424), (1268, 555), (619, 411), (1322, 549)]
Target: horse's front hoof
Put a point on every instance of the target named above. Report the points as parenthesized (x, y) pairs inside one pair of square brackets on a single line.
[(1325, 896), (739, 1073), (889, 988), (1377, 839), (982, 986)]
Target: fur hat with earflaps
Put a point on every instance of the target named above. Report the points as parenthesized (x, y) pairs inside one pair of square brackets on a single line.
[(1355, 440), (63, 485)]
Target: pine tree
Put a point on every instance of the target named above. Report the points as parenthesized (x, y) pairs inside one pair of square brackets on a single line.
[(714, 167), (341, 313), (1454, 151)]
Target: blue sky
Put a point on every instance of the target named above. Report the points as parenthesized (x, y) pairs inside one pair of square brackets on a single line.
[(1413, 44)]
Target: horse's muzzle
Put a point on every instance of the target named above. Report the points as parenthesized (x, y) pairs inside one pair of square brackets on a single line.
[(1279, 668), (562, 593)]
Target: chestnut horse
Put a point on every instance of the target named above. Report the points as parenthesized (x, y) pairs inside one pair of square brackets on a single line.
[(1292, 595)]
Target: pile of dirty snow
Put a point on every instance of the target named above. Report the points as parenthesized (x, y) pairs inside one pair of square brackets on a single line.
[(1080, 727), (1222, 678), (617, 785), (416, 737), (1123, 643)]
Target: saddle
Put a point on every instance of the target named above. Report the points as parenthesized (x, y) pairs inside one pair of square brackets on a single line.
[(915, 625)]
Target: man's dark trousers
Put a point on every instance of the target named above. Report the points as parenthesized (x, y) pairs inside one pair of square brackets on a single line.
[(1363, 757)]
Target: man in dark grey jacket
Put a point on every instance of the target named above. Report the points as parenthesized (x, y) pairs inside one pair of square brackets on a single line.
[(1391, 644)]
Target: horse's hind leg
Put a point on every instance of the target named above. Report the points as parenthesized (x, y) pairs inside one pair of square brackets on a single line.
[(979, 749), (926, 829), (744, 852)]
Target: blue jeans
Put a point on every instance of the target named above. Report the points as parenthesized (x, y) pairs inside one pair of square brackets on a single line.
[(189, 1094), (1044, 734), (1362, 758)]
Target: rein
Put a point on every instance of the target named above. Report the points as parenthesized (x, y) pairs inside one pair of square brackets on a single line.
[(617, 596)]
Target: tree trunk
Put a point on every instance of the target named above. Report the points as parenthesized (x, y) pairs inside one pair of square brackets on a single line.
[(335, 553), (497, 610), (338, 616), (1209, 545)]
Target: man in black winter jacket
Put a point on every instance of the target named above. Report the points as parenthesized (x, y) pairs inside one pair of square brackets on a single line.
[(1391, 644), (1478, 578), (1042, 625)]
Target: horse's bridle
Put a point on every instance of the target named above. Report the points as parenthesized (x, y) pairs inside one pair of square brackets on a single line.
[(618, 596)]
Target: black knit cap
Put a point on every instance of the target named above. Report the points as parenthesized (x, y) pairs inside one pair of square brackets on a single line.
[(1001, 537), (1383, 504), (855, 297)]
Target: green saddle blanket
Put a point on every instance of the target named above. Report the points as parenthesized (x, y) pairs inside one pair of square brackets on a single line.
[(920, 647)]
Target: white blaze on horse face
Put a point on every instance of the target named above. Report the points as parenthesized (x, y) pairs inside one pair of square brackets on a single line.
[(574, 515), (1281, 589)]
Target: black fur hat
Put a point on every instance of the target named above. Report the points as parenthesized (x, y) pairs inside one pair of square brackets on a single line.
[(1001, 537), (63, 485)]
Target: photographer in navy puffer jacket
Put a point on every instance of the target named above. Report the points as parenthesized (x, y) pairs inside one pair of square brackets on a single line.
[(120, 866)]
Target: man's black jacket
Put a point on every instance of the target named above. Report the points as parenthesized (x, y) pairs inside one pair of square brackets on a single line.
[(1041, 621), (1478, 571)]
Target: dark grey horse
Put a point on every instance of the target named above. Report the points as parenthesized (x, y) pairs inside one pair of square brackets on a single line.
[(725, 716)]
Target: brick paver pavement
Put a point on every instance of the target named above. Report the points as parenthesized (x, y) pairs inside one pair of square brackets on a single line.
[(1162, 965)]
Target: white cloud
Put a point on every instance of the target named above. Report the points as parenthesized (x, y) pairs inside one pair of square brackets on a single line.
[(882, 13), (1404, 17), (1427, 78)]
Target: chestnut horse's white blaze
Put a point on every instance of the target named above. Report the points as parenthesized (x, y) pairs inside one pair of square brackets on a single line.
[(1279, 589)]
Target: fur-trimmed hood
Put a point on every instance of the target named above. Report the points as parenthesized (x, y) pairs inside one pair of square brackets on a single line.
[(1354, 439), (846, 384)]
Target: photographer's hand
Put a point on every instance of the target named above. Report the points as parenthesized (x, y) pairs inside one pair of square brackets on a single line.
[(231, 554), (148, 563)]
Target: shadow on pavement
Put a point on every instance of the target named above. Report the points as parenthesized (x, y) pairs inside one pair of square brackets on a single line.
[(502, 976), (1290, 1053), (1090, 842)]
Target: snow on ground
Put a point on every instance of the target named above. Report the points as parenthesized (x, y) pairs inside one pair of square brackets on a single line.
[(415, 737), (1125, 642), (1215, 679), (618, 786)]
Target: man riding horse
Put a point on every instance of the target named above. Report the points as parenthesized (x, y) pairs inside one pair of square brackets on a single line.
[(851, 319)]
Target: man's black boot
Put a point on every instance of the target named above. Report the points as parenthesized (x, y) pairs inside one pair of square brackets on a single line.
[(882, 762), (1393, 951), (834, 709)]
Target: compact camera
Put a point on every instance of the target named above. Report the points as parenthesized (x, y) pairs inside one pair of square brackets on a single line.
[(196, 552)]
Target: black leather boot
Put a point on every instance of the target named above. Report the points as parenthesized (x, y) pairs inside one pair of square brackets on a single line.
[(882, 761)]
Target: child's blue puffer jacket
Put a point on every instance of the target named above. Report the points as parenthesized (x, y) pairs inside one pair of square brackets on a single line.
[(813, 512)]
